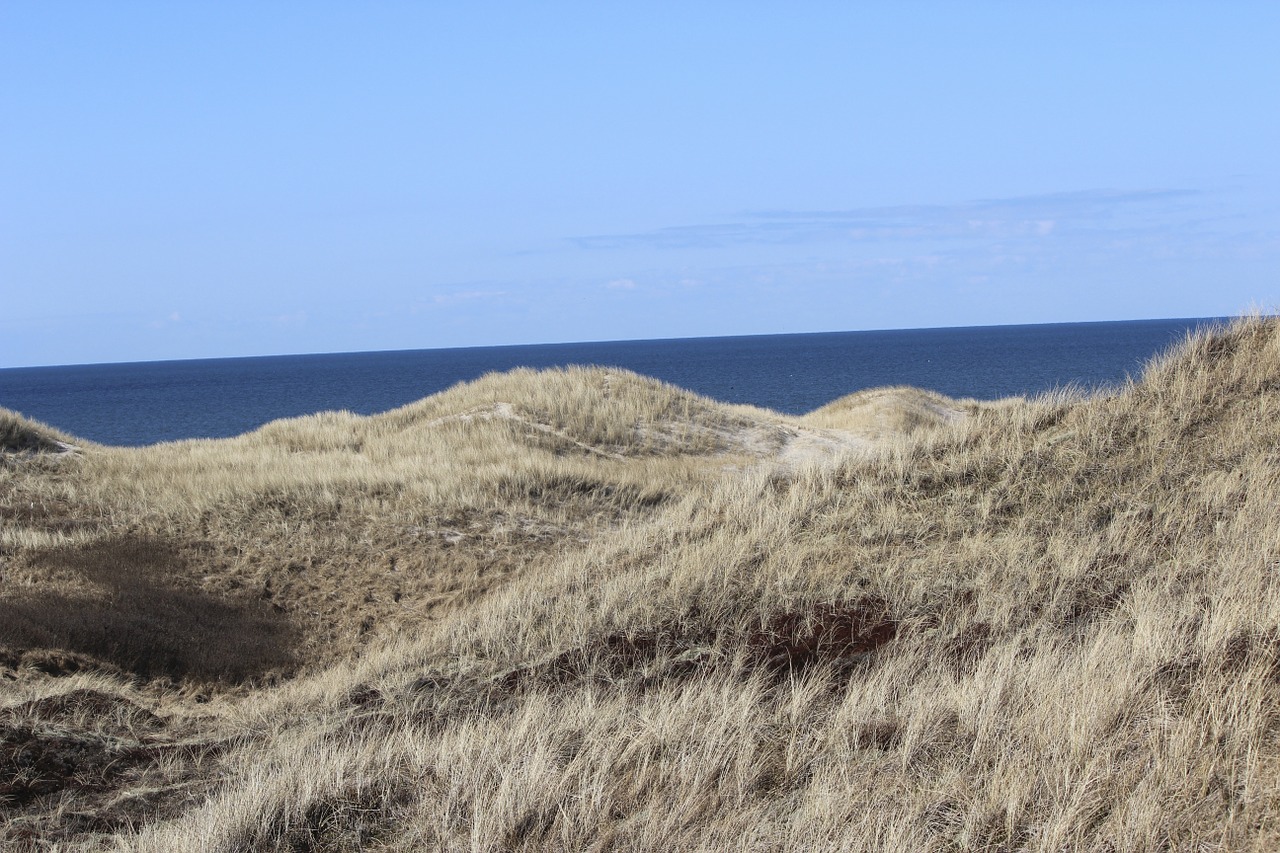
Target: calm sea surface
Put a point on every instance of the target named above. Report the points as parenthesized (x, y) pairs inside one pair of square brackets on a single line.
[(148, 402)]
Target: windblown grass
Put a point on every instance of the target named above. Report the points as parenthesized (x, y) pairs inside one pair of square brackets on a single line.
[(1048, 624), (22, 435)]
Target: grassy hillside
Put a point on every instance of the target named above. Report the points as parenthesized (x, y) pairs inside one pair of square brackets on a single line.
[(18, 435), (585, 610)]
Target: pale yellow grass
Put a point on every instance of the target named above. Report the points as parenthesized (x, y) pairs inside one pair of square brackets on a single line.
[(422, 509), (887, 413)]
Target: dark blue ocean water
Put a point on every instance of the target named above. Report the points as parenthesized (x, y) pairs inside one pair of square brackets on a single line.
[(147, 402)]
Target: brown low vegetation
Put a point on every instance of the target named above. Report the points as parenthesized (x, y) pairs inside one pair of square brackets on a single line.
[(585, 610)]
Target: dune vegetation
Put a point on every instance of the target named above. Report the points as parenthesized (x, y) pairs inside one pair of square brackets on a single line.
[(584, 610)]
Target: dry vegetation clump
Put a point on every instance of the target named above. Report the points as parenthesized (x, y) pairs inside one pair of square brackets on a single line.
[(1042, 625)]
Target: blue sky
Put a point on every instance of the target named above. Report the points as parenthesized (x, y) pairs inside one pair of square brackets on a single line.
[(185, 180)]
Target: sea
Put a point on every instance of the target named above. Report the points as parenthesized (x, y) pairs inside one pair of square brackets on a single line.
[(140, 403)]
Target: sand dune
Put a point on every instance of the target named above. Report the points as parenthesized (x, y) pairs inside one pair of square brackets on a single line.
[(582, 609)]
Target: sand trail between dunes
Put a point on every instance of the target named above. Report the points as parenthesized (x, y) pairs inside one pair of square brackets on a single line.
[(506, 411), (784, 447), (806, 447)]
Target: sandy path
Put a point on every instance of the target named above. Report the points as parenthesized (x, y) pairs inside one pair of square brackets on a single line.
[(812, 447), (786, 448), (506, 411)]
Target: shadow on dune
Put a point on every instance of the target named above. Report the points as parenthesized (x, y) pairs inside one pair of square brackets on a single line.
[(144, 625)]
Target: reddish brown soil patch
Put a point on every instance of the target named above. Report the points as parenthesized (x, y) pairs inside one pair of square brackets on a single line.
[(966, 648), (643, 659), (882, 734), (840, 633), (1247, 648)]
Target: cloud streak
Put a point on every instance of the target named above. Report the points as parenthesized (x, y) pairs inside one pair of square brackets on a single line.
[(464, 296), (1025, 216)]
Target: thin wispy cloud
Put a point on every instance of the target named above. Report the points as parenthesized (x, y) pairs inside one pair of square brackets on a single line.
[(1025, 216), (173, 318), (462, 296)]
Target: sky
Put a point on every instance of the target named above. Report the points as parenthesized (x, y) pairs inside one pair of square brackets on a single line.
[(183, 180)]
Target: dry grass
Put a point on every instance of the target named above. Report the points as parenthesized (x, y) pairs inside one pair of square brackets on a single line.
[(19, 435), (888, 413), (583, 610)]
